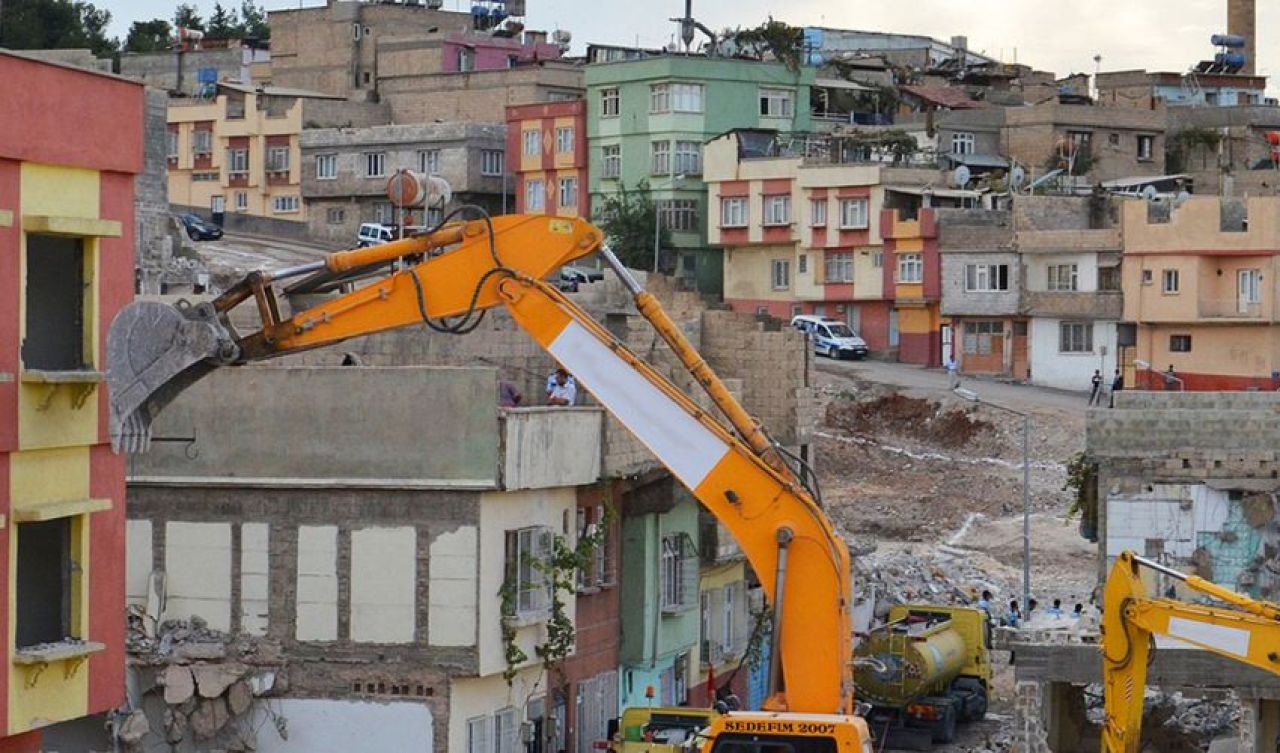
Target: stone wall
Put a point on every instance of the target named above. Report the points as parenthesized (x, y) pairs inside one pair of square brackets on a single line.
[(161, 69)]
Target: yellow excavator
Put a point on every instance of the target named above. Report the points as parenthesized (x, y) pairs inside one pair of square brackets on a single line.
[(1130, 619), (446, 279)]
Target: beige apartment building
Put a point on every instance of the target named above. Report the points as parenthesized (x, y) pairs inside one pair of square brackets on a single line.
[(236, 157), (1200, 287)]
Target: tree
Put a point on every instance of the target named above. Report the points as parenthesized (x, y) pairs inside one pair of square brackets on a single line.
[(148, 36), (627, 219), (188, 17), (223, 23), (253, 21), (55, 24)]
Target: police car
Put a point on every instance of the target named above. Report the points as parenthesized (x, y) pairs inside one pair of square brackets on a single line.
[(831, 337)]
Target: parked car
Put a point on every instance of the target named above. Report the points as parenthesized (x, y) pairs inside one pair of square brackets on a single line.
[(373, 233), (199, 229), (831, 337), (581, 274)]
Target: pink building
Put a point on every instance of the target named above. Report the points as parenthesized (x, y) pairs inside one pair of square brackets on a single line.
[(464, 51), (547, 152)]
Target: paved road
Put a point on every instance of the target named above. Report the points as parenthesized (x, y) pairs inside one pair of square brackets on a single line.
[(933, 382), (249, 252)]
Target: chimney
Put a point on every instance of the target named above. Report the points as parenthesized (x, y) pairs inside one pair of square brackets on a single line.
[(961, 44), (1242, 20)]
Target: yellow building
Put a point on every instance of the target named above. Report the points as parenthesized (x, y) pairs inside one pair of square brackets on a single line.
[(237, 157), (1200, 290)]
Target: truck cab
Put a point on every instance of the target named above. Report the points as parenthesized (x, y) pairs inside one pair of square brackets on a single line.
[(660, 729)]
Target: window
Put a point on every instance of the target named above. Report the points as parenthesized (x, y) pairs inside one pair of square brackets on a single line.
[(564, 139), (688, 158), (660, 98), (733, 212), (242, 201), (1109, 279), (1075, 337), (610, 103), (204, 177), (466, 60), (675, 98), (568, 192), (728, 632), (853, 213), (278, 159), (978, 336), (505, 731), (525, 548), (492, 162), (202, 142), (877, 259), (285, 204), (838, 267), (375, 164), (661, 157), (1171, 281), (1179, 343), (326, 166), (429, 161), (986, 278), (612, 158), (1063, 277), (384, 213), (237, 161), (535, 194), (171, 145), (780, 273), (777, 103), (1249, 282), (910, 268), (679, 215), (44, 580), (532, 142), (1081, 141), (679, 573), (777, 210), (1145, 146), (336, 215), (598, 572), (802, 265), (1113, 139), (478, 735), (818, 212), (962, 142), (55, 315)]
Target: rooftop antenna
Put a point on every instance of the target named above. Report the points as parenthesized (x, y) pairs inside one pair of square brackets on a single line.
[(1097, 70), (689, 28)]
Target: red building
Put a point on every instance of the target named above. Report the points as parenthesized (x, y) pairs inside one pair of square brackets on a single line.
[(913, 283), (547, 152), (68, 156)]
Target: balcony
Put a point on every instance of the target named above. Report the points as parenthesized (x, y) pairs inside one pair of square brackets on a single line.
[(1229, 308), (1075, 305), (548, 447)]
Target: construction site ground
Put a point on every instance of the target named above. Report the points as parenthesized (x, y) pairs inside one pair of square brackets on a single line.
[(929, 487)]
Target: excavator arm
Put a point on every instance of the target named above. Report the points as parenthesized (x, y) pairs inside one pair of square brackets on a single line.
[(1248, 634), (447, 279)]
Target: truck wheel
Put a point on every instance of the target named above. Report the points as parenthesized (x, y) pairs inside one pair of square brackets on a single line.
[(972, 697), (944, 730), (977, 707)]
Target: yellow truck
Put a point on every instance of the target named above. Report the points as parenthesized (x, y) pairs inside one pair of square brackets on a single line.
[(927, 669), (661, 729)]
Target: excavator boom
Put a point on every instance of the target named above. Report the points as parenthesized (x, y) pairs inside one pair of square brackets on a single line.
[(446, 280), (1248, 634)]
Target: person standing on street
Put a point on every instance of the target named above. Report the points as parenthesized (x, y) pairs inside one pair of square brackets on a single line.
[(1170, 379), (1095, 392), (953, 376), (1117, 384)]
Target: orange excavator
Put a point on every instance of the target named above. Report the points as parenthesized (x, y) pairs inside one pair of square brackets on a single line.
[(446, 279)]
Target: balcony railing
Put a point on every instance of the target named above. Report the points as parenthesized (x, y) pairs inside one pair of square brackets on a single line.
[(1229, 308)]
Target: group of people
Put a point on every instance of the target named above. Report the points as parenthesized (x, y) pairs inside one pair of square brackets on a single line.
[(1095, 391), (562, 390), (1013, 616)]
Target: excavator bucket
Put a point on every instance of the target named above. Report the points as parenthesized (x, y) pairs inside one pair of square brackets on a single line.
[(154, 351)]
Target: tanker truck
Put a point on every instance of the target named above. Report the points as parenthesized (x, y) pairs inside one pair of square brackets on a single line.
[(923, 672)]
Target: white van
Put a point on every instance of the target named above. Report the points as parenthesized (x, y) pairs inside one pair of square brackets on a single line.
[(373, 233), (831, 337)]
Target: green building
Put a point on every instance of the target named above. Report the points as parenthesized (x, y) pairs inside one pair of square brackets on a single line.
[(647, 120)]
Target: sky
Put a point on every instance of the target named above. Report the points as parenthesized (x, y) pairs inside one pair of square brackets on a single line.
[(1064, 37)]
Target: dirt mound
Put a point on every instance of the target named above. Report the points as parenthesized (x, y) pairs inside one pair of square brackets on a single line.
[(913, 417)]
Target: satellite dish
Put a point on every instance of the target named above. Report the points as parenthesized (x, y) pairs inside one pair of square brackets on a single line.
[(1150, 193), (1181, 197), (960, 178), (1017, 177)]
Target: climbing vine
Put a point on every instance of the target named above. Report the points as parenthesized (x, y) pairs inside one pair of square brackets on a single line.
[(560, 570), (1082, 481)]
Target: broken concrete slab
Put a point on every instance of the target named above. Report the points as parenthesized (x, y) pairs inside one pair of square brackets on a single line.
[(179, 685), (212, 680), (175, 726), (134, 727), (199, 652), (210, 717), (239, 698)]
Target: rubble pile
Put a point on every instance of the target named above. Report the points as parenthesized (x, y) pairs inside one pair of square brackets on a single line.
[(917, 418), (935, 577), (1175, 722)]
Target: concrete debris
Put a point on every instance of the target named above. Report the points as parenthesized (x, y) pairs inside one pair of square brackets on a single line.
[(212, 680), (175, 725), (210, 717), (134, 727), (239, 698), (179, 685), (1174, 722)]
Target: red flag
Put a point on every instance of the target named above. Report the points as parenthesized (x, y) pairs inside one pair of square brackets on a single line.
[(711, 684)]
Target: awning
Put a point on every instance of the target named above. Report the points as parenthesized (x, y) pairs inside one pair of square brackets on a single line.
[(839, 83), (946, 193), (990, 161)]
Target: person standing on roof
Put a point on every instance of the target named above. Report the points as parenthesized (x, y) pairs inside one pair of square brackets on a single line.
[(563, 392)]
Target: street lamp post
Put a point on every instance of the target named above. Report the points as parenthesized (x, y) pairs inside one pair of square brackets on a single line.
[(974, 397)]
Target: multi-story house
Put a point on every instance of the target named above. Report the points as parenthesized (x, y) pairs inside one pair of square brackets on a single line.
[(648, 118), (1200, 292), (67, 244), (982, 291), (404, 605), (725, 617), (344, 173), (811, 235), (547, 145), (236, 157)]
